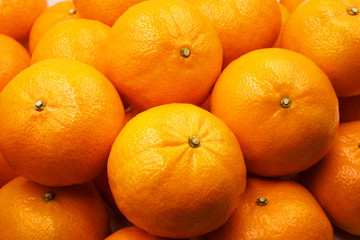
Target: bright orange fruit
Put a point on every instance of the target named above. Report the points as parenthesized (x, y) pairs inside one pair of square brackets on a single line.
[(335, 180), (328, 32), (106, 12), (172, 57), (242, 25), (79, 39), (176, 171), (275, 210), (17, 16), (13, 59), (58, 120), (6, 173), (282, 108), (31, 211), (59, 12)]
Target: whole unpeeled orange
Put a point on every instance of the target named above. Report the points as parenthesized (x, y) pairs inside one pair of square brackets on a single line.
[(282, 108), (176, 171), (58, 120)]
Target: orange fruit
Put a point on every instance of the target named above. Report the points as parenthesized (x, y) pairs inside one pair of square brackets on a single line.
[(106, 12), (242, 25), (349, 108), (291, 4), (32, 211), (132, 233), (58, 120), (335, 180), (327, 32), (285, 14), (59, 12), (17, 16), (176, 171), (6, 173), (154, 58), (78, 39), (13, 59), (282, 108), (275, 210)]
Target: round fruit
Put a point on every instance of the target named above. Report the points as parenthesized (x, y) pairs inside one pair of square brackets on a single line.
[(31, 211), (17, 16), (132, 233), (59, 12), (335, 180), (176, 171), (79, 39), (275, 210), (13, 59), (242, 25), (282, 108), (58, 120), (328, 32), (172, 57), (106, 12)]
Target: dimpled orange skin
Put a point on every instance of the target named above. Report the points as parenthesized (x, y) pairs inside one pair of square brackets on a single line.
[(132, 233), (242, 25), (105, 11), (277, 140), (68, 142), (335, 180), (291, 212), (325, 32), (17, 16), (79, 39), (168, 188), (13, 59), (291, 4), (59, 12), (6, 173), (77, 212), (144, 54)]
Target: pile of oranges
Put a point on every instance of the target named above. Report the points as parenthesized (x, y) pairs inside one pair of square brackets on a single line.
[(179, 119)]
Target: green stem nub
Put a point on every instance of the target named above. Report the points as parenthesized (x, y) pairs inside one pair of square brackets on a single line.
[(39, 105), (285, 102), (185, 52), (49, 196), (261, 201), (353, 11), (194, 142), (72, 12)]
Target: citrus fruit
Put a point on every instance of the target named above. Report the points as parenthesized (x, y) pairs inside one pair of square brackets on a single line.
[(176, 171), (104, 11), (282, 108), (17, 16), (335, 180), (132, 233), (32, 211), (275, 210), (79, 39), (285, 14), (59, 12), (328, 32), (291, 4), (6, 173), (58, 120), (13, 59), (163, 51), (242, 25)]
